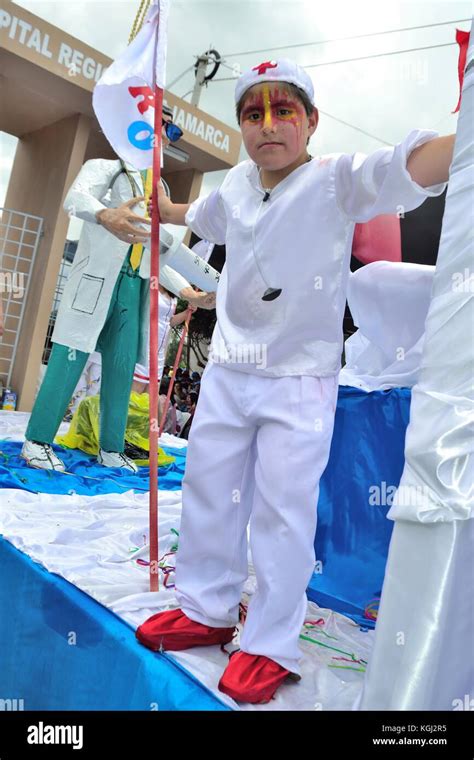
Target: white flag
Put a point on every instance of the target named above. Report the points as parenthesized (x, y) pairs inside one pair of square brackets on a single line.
[(123, 98)]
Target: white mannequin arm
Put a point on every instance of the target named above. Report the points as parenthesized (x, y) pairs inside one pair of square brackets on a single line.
[(90, 185), (187, 263)]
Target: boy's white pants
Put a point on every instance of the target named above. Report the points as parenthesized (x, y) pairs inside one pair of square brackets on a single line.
[(257, 449)]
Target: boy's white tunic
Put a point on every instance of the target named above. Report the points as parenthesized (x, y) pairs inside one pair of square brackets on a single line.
[(261, 434), (302, 238)]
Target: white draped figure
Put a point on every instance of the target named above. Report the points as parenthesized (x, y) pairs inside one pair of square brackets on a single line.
[(423, 655)]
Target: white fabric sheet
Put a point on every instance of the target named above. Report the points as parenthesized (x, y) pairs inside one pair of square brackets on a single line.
[(389, 302), (94, 543)]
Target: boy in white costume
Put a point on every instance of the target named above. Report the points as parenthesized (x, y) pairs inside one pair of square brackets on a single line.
[(262, 431)]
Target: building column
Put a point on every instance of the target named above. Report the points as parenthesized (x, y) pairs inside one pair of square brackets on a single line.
[(46, 163)]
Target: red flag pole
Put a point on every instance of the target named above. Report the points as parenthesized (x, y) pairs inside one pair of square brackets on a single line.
[(175, 366), (154, 285)]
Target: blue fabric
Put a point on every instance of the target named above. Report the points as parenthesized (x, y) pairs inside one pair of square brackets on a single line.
[(105, 669), (88, 478), (353, 535)]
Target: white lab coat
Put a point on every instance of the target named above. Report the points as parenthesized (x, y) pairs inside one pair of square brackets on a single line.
[(100, 255)]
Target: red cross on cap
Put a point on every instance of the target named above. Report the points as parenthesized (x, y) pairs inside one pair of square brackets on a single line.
[(262, 67)]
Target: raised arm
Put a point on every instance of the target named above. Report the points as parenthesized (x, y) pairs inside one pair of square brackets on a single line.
[(429, 163), (205, 216), (170, 213), (392, 180)]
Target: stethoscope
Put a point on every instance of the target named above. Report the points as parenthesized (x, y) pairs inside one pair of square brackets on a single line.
[(135, 187), (271, 293)]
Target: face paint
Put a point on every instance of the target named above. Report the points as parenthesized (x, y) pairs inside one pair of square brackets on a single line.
[(267, 108), (253, 106), (272, 106), (274, 126)]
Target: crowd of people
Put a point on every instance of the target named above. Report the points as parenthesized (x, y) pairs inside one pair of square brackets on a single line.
[(183, 400)]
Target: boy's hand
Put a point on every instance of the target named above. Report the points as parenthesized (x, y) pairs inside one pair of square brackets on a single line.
[(164, 204), (170, 213), (122, 222)]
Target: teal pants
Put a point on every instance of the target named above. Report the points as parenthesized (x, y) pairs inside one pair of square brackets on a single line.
[(118, 344)]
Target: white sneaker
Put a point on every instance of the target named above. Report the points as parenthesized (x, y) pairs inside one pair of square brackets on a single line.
[(116, 459), (41, 456)]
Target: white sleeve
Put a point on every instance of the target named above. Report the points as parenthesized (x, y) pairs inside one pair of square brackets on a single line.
[(90, 185), (206, 217), (172, 280), (367, 186)]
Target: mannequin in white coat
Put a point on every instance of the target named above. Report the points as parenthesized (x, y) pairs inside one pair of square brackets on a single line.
[(105, 307)]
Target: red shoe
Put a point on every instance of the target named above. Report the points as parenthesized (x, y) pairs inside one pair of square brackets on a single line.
[(173, 631), (253, 678)]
